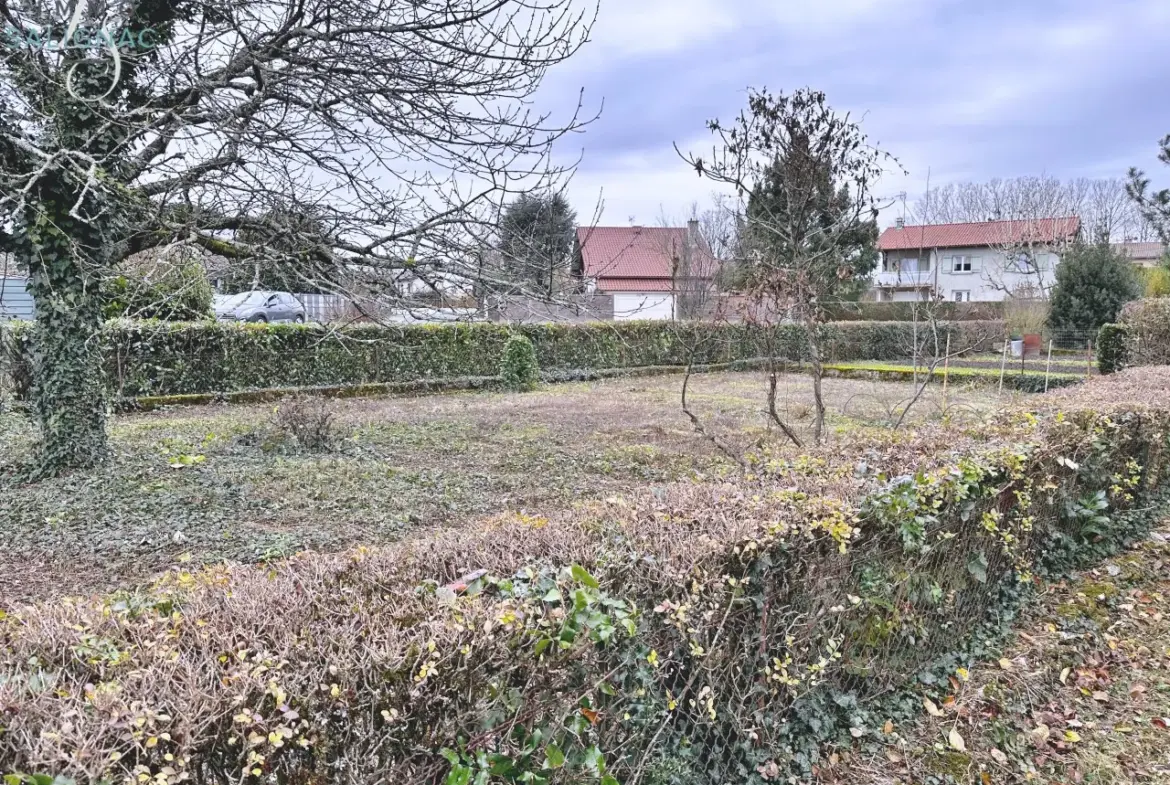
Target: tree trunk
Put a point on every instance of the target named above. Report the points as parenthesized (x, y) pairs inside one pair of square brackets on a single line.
[(69, 392), (818, 372)]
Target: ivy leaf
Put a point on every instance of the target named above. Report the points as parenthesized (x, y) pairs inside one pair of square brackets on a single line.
[(977, 566), (553, 757), (956, 741), (460, 775), (582, 575)]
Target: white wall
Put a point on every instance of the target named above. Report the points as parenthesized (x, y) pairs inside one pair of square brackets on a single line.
[(643, 305), (990, 280)]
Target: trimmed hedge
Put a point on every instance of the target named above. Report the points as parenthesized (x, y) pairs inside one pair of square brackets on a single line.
[(701, 633), (905, 311), (157, 358), (1148, 322)]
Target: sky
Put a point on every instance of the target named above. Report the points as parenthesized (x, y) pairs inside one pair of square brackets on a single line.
[(957, 90)]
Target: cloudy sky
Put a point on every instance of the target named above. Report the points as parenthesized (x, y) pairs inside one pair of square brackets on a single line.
[(960, 89)]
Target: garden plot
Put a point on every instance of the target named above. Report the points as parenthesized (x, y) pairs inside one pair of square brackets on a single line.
[(204, 484)]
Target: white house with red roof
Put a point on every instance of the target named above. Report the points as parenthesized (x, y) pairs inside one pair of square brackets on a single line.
[(972, 262), (644, 268)]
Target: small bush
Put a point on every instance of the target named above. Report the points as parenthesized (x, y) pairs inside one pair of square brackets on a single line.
[(301, 424), (518, 367), (1113, 350)]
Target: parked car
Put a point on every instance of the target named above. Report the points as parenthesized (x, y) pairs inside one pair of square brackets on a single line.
[(259, 306)]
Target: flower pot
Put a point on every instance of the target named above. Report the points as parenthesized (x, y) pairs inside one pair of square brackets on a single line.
[(1032, 342)]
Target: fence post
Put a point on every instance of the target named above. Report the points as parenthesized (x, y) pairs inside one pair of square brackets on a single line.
[(946, 374), (1089, 364), (1003, 362), (1048, 370)]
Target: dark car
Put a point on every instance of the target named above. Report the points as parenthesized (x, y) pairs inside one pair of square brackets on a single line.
[(260, 306)]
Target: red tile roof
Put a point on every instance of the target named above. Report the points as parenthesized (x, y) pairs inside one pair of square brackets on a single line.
[(1141, 251), (635, 258), (1042, 230)]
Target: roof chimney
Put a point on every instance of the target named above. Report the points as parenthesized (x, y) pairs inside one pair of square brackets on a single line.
[(900, 223)]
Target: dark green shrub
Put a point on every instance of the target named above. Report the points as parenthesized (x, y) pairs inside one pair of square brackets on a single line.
[(1113, 348), (519, 370)]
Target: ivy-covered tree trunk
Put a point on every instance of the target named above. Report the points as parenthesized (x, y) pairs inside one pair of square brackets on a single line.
[(64, 256)]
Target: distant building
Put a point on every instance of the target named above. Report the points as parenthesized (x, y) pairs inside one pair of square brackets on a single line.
[(648, 270), (1142, 254), (972, 262)]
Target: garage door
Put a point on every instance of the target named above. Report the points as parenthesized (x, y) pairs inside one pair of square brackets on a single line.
[(643, 306)]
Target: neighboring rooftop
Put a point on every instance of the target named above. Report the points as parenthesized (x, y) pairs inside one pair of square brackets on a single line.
[(983, 233), (1142, 253), (640, 256)]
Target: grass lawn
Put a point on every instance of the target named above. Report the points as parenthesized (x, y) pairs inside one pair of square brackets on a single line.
[(201, 483)]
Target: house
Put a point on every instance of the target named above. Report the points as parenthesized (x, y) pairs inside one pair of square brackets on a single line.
[(651, 272), (1142, 254), (972, 262)]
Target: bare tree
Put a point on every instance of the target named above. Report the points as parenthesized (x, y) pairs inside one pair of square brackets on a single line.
[(1101, 204), (404, 125), (694, 263), (805, 174)]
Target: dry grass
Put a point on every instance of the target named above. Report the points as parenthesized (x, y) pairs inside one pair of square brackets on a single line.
[(195, 483)]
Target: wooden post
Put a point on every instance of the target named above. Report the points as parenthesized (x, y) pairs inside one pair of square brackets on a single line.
[(946, 373), (1089, 364), (1048, 370), (1003, 363)]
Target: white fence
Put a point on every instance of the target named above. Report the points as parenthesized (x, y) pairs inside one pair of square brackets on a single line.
[(325, 308)]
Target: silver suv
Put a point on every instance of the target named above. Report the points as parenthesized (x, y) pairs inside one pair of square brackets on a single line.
[(260, 307)]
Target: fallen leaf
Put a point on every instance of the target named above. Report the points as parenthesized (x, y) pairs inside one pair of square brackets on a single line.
[(985, 778), (893, 757), (1161, 722), (1101, 697), (999, 757), (931, 708), (888, 728), (856, 733), (956, 740), (591, 715), (1072, 736), (1136, 690), (1006, 664), (1041, 733), (1064, 674)]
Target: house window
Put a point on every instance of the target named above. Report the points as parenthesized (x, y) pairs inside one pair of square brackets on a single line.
[(963, 296), (964, 264)]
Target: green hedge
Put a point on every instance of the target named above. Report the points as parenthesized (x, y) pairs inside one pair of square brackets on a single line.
[(158, 358), (905, 311)]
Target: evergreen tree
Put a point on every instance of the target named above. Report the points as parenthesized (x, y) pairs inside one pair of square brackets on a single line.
[(1093, 282), (797, 188), (537, 235)]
